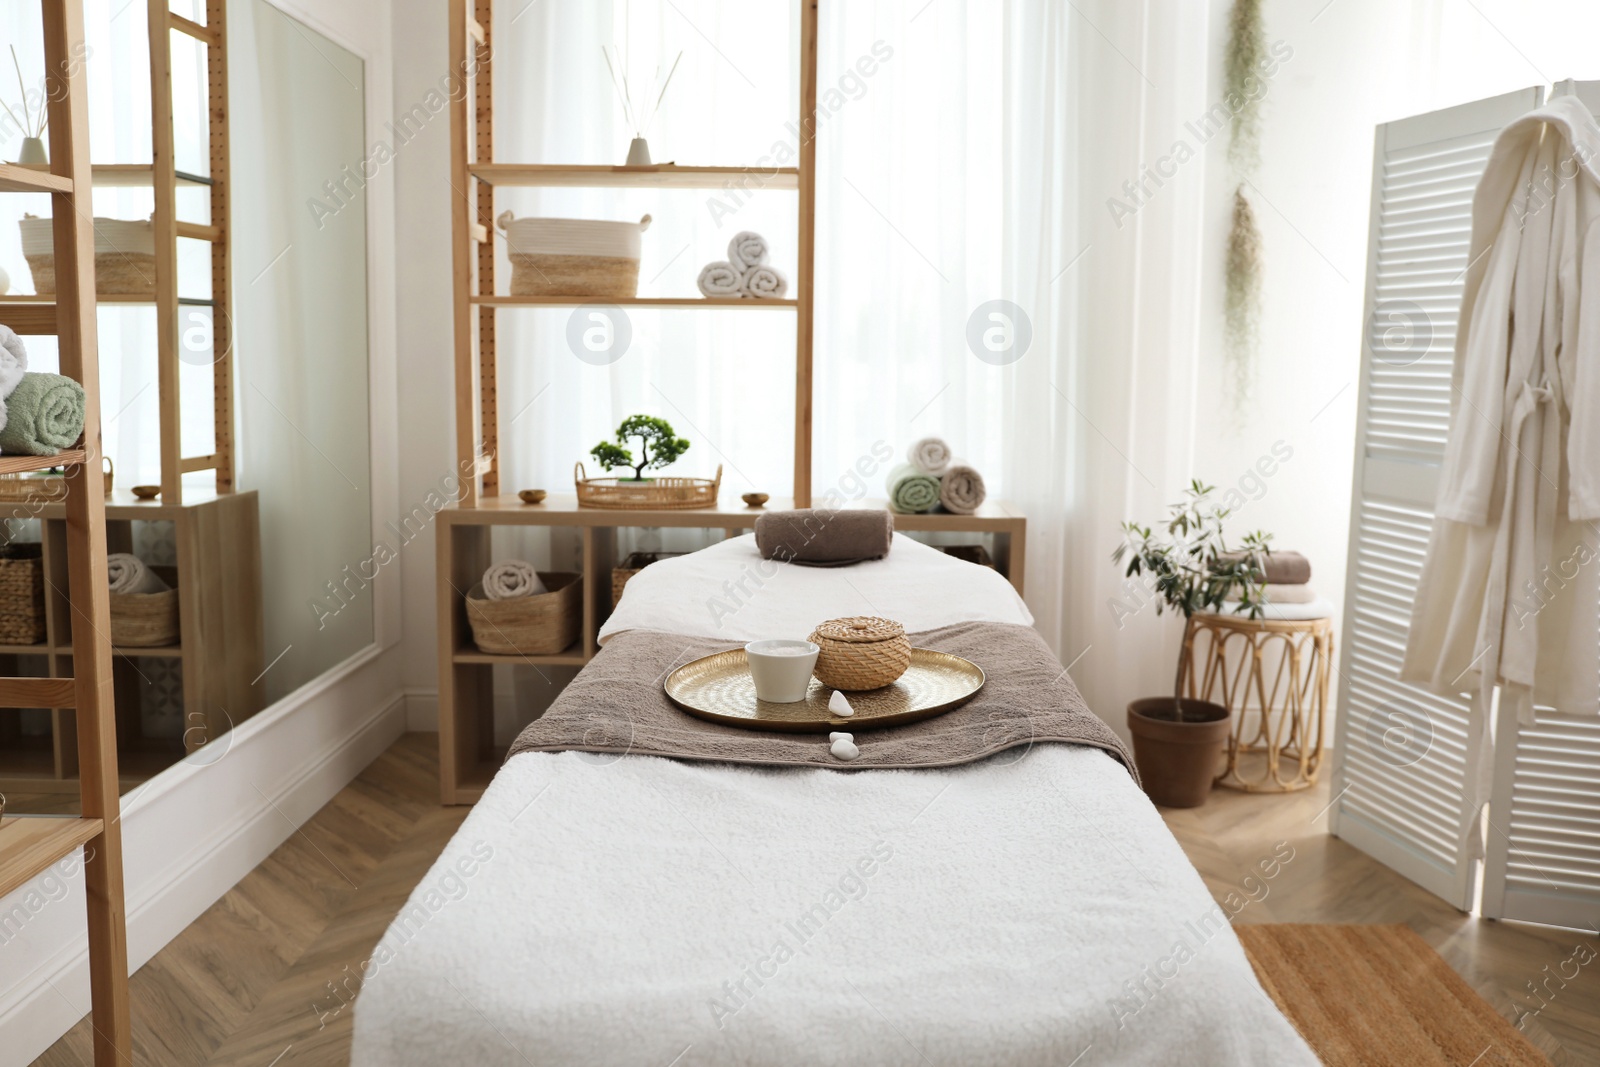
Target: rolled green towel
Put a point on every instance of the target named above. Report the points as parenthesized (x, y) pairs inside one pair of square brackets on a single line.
[(44, 414), (911, 491)]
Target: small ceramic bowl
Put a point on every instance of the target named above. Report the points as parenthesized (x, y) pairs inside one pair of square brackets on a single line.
[(755, 500), (147, 492), (532, 496)]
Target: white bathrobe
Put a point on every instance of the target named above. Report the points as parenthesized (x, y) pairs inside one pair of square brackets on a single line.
[(1510, 592)]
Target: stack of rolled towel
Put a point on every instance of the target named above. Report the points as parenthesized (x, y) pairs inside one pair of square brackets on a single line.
[(41, 413), (128, 573), (932, 477), (1287, 576), (745, 272), (511, 579)]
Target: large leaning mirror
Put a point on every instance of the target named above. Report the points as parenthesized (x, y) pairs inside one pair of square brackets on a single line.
[(239, 505)]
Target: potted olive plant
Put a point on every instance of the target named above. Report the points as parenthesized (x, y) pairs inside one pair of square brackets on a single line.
[(1177, 741)]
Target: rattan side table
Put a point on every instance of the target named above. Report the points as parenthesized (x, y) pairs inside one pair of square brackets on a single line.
[(1272, 671)]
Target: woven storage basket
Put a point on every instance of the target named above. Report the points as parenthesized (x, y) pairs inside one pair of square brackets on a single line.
[(655, 493), (147, 620), (636, 562), (861, 652), (573, 257), (21, 594), (531, 625), (124, 256)]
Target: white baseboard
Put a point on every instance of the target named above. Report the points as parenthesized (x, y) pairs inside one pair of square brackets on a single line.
[(192, 832)]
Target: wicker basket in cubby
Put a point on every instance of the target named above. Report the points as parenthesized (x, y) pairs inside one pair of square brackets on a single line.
[(147, 620), (539, 625), (21, 594)]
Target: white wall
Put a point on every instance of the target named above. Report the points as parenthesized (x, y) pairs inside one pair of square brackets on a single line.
[(1356, 63)]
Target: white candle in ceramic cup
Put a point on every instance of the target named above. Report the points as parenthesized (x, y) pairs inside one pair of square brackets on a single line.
[(781, 669)]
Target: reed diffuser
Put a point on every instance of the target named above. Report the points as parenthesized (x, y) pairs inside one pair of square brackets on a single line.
[(638, 120), (33, 153)]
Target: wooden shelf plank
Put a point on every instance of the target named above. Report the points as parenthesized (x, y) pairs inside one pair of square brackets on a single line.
[(24, 464), (665, 176), (561, 509), (572, 657), (37, 693), (638, 301), (15, 178), (28, 846)]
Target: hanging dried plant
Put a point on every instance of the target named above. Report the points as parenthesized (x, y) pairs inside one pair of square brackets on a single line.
[(1247, 52), (1242, 309)]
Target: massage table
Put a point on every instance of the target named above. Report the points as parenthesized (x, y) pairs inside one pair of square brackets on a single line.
[(601, 908)]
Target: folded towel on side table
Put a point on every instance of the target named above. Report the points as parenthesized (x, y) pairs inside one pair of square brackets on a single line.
[(1280, 568), (720, 279), (510, 579), (961, 490), (930, 455), (1282, 594), (44, 414), (818, 537), (911, 491), (129, 574)]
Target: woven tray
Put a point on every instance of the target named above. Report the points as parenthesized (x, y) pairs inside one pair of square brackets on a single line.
[(656, 493), (719, 688)]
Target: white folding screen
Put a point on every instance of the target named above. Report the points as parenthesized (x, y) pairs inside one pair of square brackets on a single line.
[(1543, 857), (1401, 752)]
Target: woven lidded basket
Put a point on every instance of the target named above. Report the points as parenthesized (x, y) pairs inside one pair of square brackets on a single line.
[(573, 257), (861, 652), (539, 625), (124, 256), (147, 620), (21, 594), (636, 562)]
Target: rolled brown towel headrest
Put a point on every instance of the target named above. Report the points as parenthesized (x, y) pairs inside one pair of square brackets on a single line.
[(1281, 568), (817, 537)]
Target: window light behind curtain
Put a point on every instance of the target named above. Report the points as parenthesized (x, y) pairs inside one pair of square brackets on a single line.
[(970, 165), (119, 131)]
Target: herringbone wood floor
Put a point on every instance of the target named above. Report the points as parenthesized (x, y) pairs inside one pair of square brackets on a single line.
[(251, 982)]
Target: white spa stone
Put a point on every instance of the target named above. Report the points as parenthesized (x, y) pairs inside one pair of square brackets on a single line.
[(839, 705), (844, 748)]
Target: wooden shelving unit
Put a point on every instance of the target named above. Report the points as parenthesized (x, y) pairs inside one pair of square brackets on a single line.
[(467, 756), (216, 530), (31, 845)]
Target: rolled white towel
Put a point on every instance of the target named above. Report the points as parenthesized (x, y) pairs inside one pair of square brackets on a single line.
[(721, 280), (510, 579), (930, 455), (765, 283), (13, 361), (747, 250), (961, 489), (129, 574)]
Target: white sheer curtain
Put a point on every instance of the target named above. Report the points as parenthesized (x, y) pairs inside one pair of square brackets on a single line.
[(971, 164)]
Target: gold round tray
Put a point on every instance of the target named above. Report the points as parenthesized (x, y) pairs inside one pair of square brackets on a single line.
[(719, 688)]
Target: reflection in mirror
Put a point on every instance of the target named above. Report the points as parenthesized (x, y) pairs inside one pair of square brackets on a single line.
[(238, 506)]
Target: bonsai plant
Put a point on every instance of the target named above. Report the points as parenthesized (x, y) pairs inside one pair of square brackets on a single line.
[(659, 445), (1190, 568)]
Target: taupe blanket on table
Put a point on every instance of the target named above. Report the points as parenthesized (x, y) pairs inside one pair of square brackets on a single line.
[(616, 704)]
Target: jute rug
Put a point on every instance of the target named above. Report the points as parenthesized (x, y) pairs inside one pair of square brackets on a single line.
[(1376, 996)]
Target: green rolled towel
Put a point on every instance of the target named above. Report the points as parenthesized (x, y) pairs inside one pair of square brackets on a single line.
[(44, 414), (911, 491)]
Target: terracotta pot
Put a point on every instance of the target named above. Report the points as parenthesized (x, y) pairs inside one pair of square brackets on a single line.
[(1178, 761)]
